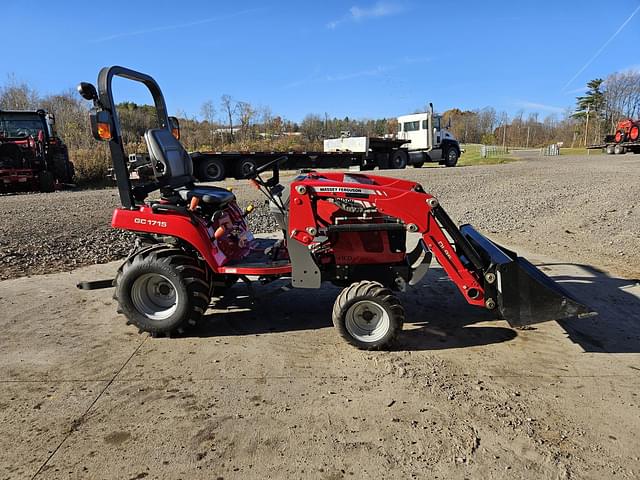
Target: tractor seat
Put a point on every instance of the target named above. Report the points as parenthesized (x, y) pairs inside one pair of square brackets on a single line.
[(214, 196)]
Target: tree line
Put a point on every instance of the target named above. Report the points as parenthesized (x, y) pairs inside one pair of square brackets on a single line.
[(231, 124)]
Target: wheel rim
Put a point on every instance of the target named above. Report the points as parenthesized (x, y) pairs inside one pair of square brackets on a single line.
[(366, 321), (154, 296), (247, 168), (452, 156), (213, 171)]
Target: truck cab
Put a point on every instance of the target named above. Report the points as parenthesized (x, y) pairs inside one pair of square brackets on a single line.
[(427, 139)]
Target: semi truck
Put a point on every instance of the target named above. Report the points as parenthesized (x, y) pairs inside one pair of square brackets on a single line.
[(421, 138), (32, 156)]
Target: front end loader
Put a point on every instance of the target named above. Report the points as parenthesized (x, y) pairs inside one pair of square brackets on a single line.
[(345, 228)]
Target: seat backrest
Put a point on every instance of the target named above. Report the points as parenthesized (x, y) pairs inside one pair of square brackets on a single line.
[(171, 163)]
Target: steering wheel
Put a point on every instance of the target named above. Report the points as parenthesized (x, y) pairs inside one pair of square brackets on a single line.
[(268, 166)]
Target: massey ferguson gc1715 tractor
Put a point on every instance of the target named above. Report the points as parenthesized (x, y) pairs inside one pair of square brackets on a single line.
[(349, 229)]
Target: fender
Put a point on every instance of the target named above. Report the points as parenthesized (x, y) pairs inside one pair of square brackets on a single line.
[(173, 225)]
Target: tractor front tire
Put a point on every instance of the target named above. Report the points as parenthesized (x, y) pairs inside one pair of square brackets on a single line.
[(368, 315), (162, 291)]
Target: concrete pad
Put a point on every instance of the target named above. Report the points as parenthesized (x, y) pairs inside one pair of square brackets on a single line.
[(273, 392)]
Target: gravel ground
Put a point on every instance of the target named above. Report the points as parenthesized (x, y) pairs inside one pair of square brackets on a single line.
[(582, 209)]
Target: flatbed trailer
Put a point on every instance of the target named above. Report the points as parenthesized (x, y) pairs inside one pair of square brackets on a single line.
[(616, 148), (215, 166)]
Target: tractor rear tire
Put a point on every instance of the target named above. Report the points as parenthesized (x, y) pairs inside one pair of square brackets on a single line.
[(399, 159), (47, 181), (368, 315), (211, 170), (162, 290)]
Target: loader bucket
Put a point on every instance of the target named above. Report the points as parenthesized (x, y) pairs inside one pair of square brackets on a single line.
[(522, 293)]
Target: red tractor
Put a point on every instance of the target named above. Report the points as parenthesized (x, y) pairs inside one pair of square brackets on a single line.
[(344, 228), (32, 157), (627, 130)]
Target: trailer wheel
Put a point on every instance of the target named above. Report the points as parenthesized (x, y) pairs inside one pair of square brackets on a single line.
[(418, 165), (619, 150), (245, 167), (399, 159), (610, 150), (368, 315), (47, 181), (211, 170), (451, 157), (162, 290)]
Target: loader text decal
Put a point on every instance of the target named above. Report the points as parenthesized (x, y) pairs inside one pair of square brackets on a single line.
[(150, 222), (352, 190), (444, 249)]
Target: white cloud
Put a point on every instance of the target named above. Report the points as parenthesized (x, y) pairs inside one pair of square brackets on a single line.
[(577, 90), (176, 26), (358, 14), (539, 106), (339, 77)]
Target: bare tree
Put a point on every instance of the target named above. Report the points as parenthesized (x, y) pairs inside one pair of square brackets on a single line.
[(208, 112), (622, 96), (229, 110), (17, 95), (245, 113)]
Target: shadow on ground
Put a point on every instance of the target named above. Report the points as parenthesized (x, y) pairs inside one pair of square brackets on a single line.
[(616, 328), (437, 317)]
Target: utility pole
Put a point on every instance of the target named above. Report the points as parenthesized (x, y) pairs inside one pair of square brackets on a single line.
[(504, 135), (586, 127)]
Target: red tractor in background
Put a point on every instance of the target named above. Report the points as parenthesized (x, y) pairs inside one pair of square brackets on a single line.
[(372, 236), (625, 139), (627, 130), (32, 156)]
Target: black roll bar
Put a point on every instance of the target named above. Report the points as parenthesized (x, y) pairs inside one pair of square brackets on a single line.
[(105, 95)]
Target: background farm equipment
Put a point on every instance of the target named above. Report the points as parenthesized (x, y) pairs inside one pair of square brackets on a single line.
[(32, 157), (625, 139)]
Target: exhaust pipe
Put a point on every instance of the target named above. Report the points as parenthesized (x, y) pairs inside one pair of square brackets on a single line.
[(517, 289)]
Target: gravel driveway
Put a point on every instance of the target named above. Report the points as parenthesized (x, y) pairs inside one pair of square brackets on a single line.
[(582, 209)]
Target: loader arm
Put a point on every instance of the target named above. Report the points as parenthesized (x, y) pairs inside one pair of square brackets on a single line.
[(401, 199), (486, 274)]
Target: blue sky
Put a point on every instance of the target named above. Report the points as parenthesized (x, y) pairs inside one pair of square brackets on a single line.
[(360, 58)]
